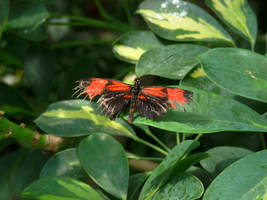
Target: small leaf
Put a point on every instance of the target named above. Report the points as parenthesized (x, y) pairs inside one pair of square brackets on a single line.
[(59, 188), (27, 15), (182, 21), (76, 118), (208, 113), (239, 71), (238, 15), (104, 160), (165, 169), (245, 179), (183, 187), (221, 157), (130, 46), (64, 163), (173, 61)]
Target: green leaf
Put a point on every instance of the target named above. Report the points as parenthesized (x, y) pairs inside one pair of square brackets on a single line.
[(183, 187), (238, 15), (164, 170), (199, 79), (221, 157), (104, 160), (64, 163), (239, 71), (245, 179), (76, 118), (4, 7), (27, 15), (173, 61), (182, 21), (130, 46), (136, 182), (209, 113), (59, 188)]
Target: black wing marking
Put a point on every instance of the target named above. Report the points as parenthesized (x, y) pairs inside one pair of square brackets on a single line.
[(152, 107), (113, 103)]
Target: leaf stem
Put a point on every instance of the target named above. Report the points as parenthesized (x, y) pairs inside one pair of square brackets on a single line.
[(79, 43), (103, 13), (137, 139), (127, 11), (198, 136), (86, 21), (149, 133)]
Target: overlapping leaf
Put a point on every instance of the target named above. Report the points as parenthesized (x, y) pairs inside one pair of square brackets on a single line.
[(239, 71), (59, 188), (221, 157), (104, 160), (238, 15), (130, 46), (76, 118), (165, 169), (209, 113), (173, 61), (179, 20), (245, 179), (64, 163)]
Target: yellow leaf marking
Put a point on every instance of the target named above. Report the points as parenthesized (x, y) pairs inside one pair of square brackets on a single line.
[(87, 113), (129, 52), (230, 8), (199, 72), (200, 28)]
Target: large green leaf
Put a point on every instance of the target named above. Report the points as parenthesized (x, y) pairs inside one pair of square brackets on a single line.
[(198, 79), (27, 15), (165, 169), (64, 163), (245, 179), (104, 160), (130, 46), (173, 61), (221, 157), (239, 71), (59, 188), (209, 113), (182, 21), (76, 118), (183, 187), (238, 15)]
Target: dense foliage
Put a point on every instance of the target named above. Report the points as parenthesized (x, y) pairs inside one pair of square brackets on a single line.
[(54, 146)]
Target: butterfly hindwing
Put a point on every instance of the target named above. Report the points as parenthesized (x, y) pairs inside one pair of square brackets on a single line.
[(155, 101), (112, 93), (113, 103), (151, 106)]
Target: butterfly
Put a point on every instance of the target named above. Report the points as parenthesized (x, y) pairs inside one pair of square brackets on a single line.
[(116, 96)]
